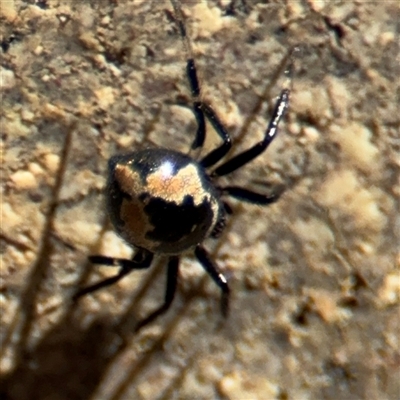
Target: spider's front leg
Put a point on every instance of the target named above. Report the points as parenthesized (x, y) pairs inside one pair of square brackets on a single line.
[(201, 110)]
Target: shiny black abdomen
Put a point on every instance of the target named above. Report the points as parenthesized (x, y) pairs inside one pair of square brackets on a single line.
[(162, 200)]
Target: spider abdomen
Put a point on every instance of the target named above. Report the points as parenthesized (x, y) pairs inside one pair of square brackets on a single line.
[(161, 200)]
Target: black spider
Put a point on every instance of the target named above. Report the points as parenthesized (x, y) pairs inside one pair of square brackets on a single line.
[(165, 202)]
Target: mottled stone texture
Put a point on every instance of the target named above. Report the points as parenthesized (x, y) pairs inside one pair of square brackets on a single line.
[(315, 277)]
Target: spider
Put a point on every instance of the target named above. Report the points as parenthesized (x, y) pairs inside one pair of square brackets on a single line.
[(165, 202)]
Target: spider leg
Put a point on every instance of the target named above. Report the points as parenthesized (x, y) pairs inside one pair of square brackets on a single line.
[(200, 109), (172, 279), (141, 260), (227, 208), (217, 154), (216, 276), (270, 134), (250, 196)]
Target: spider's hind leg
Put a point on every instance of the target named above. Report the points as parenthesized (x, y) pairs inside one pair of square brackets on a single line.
[(141, 260), (172, 280), (216, 276)]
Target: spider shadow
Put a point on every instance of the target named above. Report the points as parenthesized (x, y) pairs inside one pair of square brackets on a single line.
[(67, 363)]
